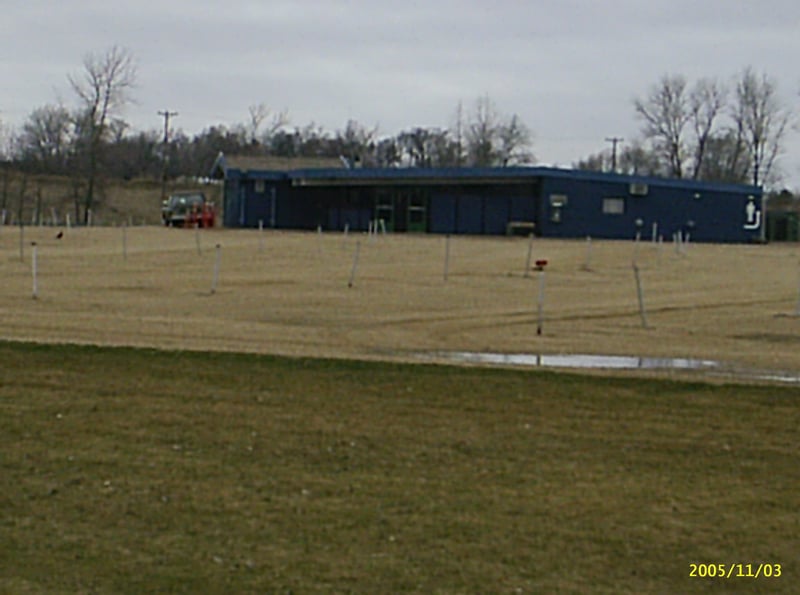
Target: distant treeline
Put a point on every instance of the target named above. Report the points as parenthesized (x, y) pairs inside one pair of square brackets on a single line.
[(708, 129), (48, 144)]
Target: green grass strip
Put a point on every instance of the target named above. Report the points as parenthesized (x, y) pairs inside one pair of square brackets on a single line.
[(137, 470)]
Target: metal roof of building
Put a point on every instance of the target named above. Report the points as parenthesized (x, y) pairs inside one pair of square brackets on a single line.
[(252, 164), (327, 171)]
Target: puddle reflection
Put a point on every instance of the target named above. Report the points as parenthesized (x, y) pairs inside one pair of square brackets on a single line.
[(579, 361), (612, 362)]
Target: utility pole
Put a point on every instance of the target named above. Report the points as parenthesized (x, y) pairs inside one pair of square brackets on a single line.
[(614, 140), (167, 115)]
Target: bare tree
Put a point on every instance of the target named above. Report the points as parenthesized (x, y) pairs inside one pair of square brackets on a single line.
[(514, 140), (762, 121), (117, 129), (725, 158), (594, 162), (103, 90), (636, 160), (417, 144), (706, 104), (23, 188), (481, 133), (633, 159), (445, 149), (458, 132), (309, 141), (665, 113), (429, 147), (388, 153), (6, 142), (258, 115), (4, 191), (45, 138), (355, 142), (493, 139)]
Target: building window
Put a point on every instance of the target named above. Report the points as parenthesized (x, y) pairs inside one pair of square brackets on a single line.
[(260, 187), (613, 206), (557, 202)]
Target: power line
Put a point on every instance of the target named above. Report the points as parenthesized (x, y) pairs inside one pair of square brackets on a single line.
[(167, 115), (614, 140)]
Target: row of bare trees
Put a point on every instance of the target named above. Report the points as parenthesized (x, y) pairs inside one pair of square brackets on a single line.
[(92, 141), (482, 138), (708, 130)]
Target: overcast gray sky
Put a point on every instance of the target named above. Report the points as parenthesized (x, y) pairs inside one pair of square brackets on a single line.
[(569, 68)]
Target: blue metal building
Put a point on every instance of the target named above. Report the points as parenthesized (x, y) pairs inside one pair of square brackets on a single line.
[(551, 202)]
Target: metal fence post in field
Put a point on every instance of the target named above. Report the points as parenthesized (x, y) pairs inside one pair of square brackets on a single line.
[(34, 267), (587, 263), (355, 264), (640, 295), (528, 259), (540, 264), (446, 256), (344, 235), (215, 279), (797, 306)]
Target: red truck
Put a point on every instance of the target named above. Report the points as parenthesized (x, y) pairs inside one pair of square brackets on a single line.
[(188, 209)]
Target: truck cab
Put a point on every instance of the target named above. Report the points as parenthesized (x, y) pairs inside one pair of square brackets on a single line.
[(187, 209)]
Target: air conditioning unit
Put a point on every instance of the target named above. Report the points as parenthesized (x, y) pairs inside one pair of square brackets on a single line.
[(638, 189)]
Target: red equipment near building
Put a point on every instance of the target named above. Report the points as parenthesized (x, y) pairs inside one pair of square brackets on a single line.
[(201, 216)]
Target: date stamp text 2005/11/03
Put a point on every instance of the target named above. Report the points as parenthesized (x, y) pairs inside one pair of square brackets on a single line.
[(759, 570)]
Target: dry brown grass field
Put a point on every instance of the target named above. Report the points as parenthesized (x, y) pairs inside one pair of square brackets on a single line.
[(287, 293)]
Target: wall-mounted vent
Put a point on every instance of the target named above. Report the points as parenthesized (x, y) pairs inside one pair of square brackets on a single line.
[(638, 189)]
